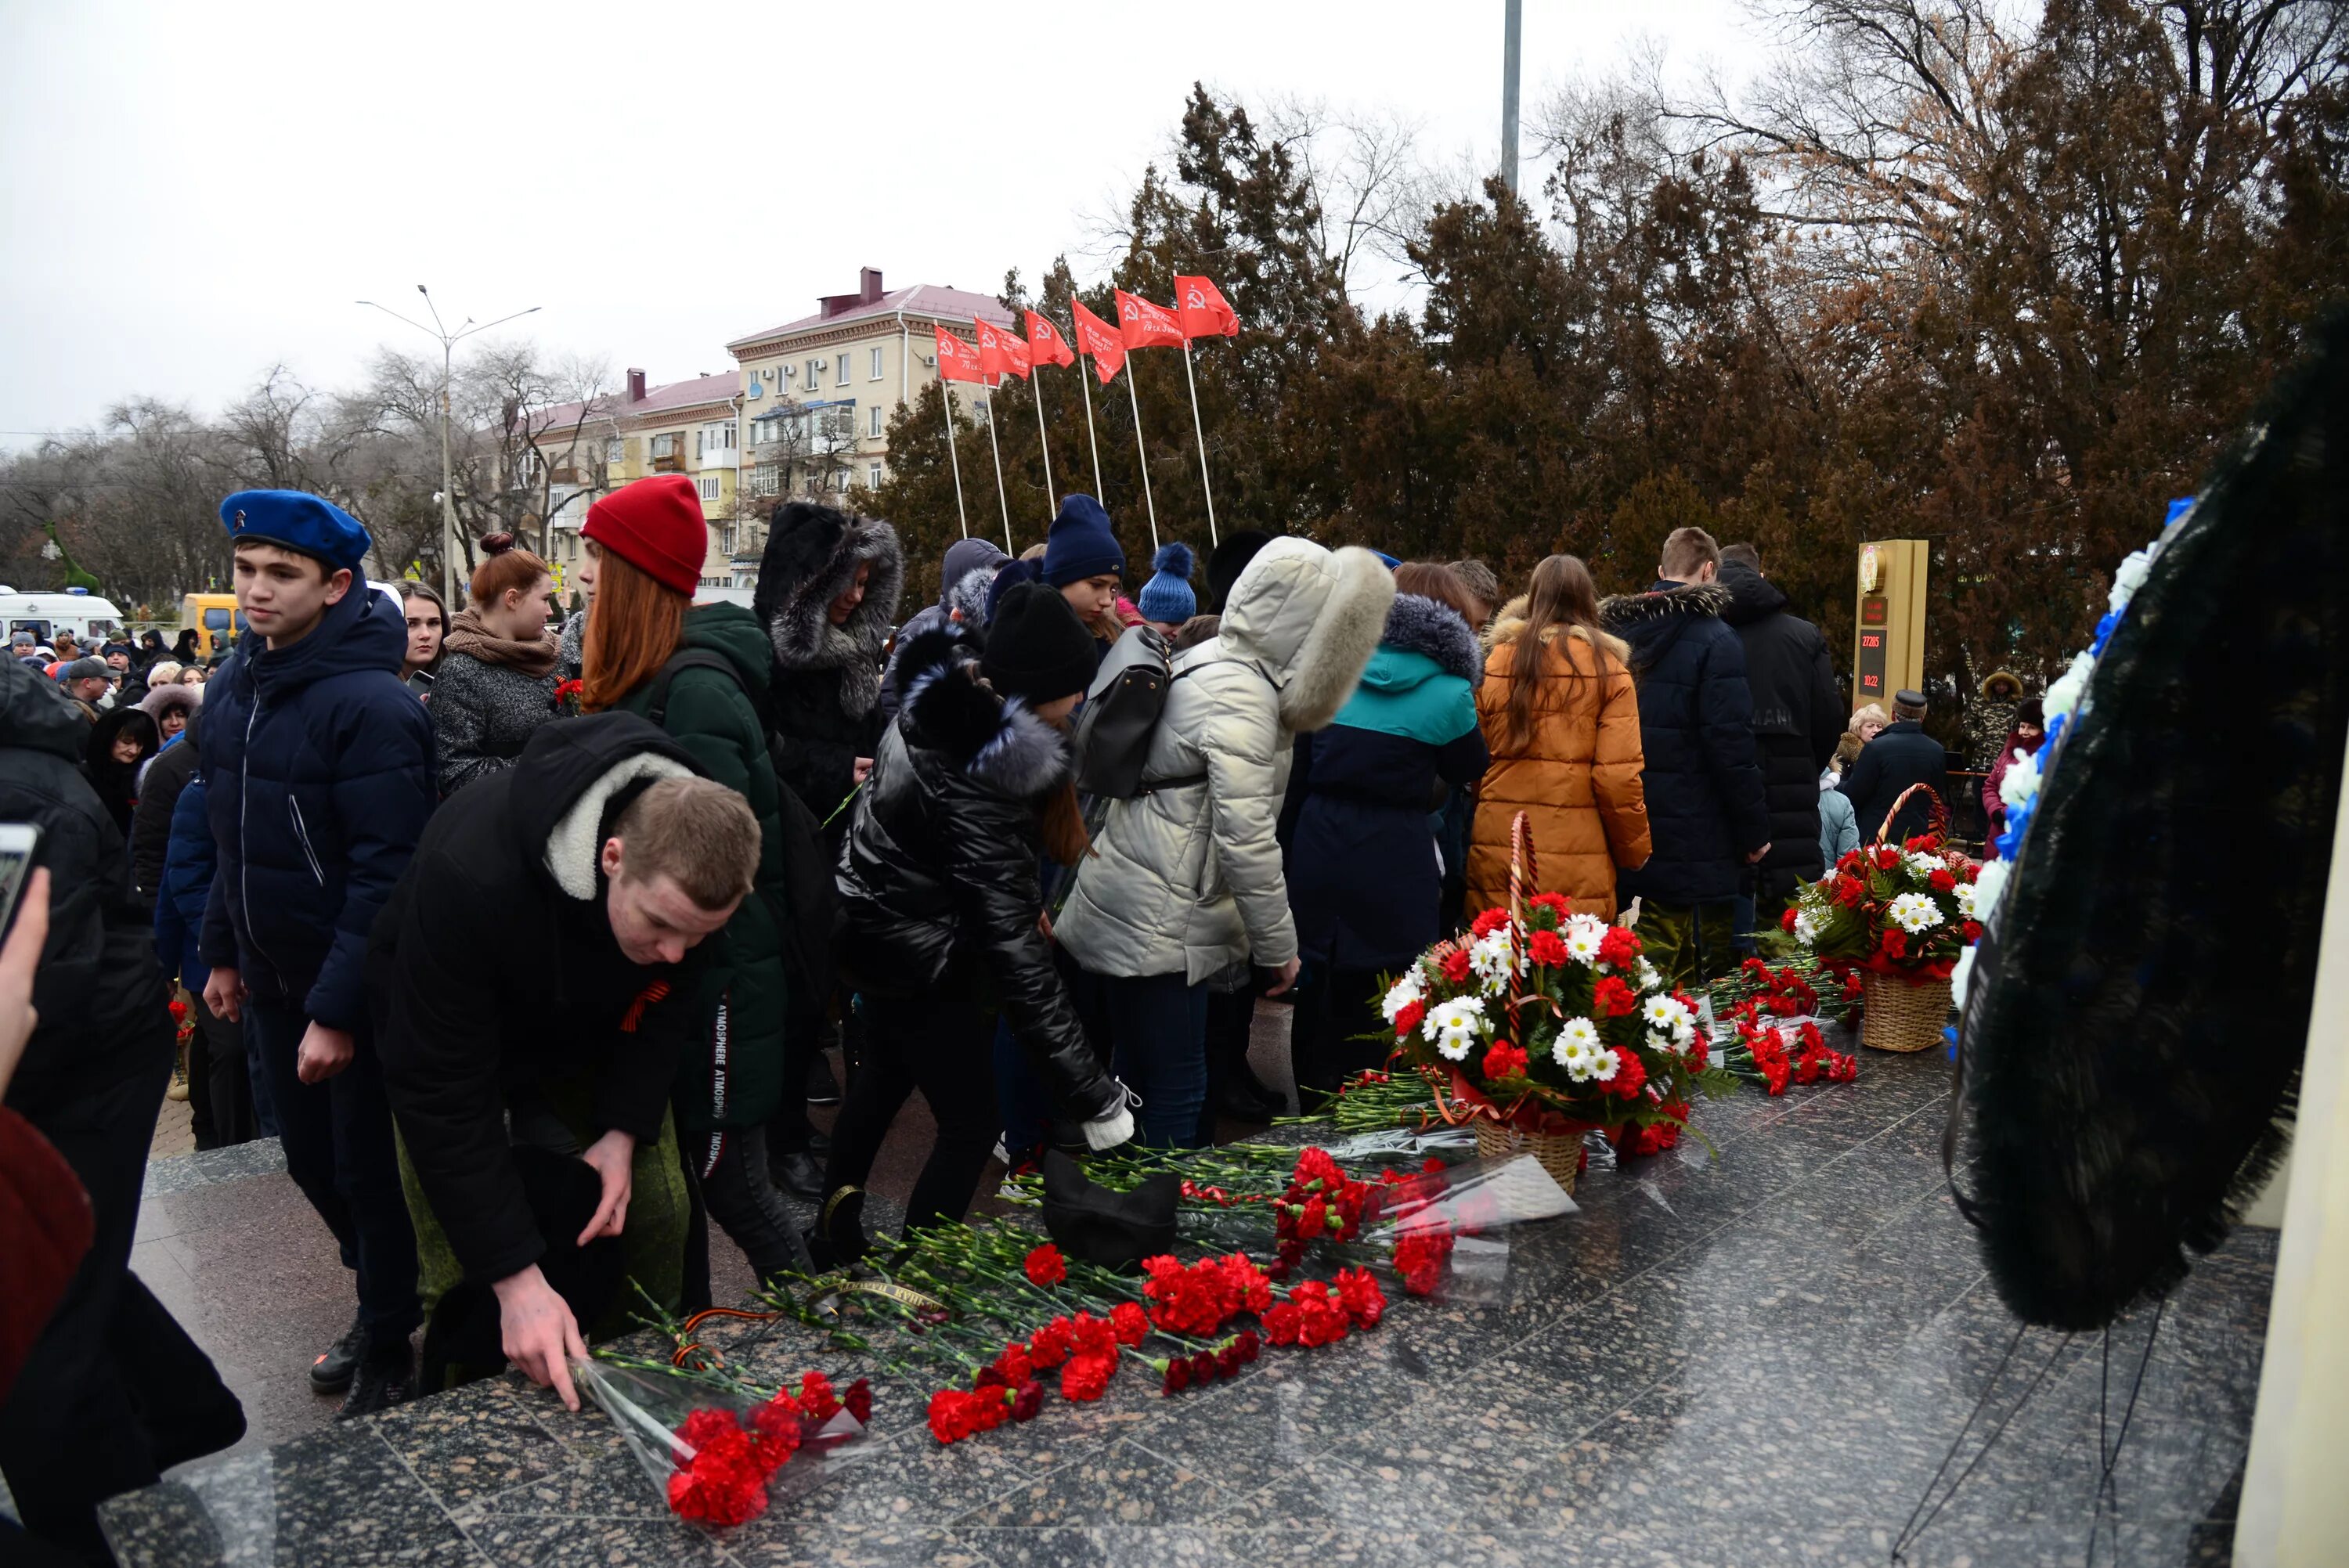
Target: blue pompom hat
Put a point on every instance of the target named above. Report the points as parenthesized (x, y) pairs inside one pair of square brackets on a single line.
[(1168, 597), (1080, 544)]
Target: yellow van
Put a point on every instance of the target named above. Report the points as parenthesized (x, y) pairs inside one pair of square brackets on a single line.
[(213, 618)]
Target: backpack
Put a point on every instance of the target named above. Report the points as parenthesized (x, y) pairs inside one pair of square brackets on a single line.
[(1121, 711), (814, 903)]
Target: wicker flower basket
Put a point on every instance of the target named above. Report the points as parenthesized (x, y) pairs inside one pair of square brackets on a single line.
[(1898, 1016), (1560, 1153)]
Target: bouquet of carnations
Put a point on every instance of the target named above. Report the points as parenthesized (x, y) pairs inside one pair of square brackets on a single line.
[(717, 1450), (1552, 1024)]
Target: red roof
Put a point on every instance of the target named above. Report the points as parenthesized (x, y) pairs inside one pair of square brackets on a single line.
[(922, 299), (560, 420)]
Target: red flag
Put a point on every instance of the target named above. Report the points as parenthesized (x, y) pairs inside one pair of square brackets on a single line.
[(1099, 339), (1001, 352), (1046, 343), (1147, 326), (1201, 308), (957, 360)]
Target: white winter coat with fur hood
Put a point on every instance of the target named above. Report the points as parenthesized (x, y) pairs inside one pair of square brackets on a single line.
[(1189, 878)]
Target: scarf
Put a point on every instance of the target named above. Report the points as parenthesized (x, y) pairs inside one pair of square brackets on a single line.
[(467, 635)]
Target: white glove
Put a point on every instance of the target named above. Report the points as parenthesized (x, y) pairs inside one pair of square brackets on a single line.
[(1110, 1131)]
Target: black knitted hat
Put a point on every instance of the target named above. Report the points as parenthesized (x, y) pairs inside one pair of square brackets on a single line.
[(1036, 646)]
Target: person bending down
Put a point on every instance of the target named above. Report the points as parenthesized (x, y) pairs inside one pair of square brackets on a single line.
[(944, 914), (537, 973)]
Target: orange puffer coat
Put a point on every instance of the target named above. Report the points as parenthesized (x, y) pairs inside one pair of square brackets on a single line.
[(1577, 775)]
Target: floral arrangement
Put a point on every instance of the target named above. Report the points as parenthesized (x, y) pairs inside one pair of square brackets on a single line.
[(1905, 912), (568, 696), (1553, 1022)]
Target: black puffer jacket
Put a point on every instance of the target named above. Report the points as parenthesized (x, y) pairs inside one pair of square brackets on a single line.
[(1797, 719), (940, 862), (1706, 811), (493, 970), (825, 694), (98, 988), (1901, 755)]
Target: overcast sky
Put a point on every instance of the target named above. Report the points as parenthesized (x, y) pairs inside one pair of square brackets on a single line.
[(192, 193)]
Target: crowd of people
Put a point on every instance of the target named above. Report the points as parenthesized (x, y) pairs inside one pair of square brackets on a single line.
[(527, 934)]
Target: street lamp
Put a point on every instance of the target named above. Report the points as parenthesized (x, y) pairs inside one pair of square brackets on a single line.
[(448, 340)]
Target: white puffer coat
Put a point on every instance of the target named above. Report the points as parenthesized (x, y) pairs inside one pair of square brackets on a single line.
[(1189, 878)]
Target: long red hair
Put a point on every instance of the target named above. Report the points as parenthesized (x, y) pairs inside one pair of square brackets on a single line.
[(633, 626)]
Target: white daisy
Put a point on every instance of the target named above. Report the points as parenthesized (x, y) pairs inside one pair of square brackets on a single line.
[(1492, 961), (1404, 992), (1964, 893), (1604, 1066), (1663, 1012), (1923, 864), (1646, 973), (1915, 912), (1583, 942), (1806, 924), (1454, 1026), (1657, 1042), (1580, 1061)]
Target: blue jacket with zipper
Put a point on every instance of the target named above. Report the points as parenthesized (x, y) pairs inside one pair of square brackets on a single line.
[(319, 773)]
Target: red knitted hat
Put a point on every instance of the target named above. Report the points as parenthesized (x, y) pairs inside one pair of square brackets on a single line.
[(656, 526)]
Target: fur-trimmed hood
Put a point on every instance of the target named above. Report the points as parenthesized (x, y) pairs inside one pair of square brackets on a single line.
[(1418, 624), (1506, 627), (944, 706), (1652, 622), (164, 699), (1309, 618), (812, 556)]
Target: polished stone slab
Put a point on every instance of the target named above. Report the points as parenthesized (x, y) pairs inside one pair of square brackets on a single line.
[(1756, 1352)]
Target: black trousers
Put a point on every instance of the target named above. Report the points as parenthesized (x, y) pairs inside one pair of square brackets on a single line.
[(220, 1086), (730, 1170), (113, 1380), (338, 1149), (937, 1041), (1338, 1004)]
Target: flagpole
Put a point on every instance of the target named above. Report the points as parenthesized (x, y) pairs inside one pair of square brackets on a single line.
[(1082, 377), (945, 407), (1202, 437), (1141, 453), (1052, 497), (1001, 498)]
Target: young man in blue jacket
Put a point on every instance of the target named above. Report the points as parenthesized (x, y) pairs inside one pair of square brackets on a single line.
[(318, 768)]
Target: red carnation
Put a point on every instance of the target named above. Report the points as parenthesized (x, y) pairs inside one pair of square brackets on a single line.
[(859, 1401), (1849, 891), (1093, 1336), (1553, 902), (1786, 922), (1015, 1365), (1050, 1345), (1941, 880), (1246, 1345), (1408, 1017), (1506, 1060), (1178, 1377), (1547, 948), (1630, 1075), (778, 1432), (1283, 1321), (1973, 931), (1130, 1323), (1422, 1258), (952, 1418), (1895, 943), (1619, 948), (1886, 857), (1611, 998), (1489, 921), (1046, 1266), (1086, 1378), (816, 1397), (1361, 1296), (1028, 1400), (1455, 966)]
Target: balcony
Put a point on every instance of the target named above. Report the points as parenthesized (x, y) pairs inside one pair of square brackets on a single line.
[(673, 463), (718, 458)]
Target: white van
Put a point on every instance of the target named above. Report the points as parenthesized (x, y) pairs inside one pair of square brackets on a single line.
[(91, 620)]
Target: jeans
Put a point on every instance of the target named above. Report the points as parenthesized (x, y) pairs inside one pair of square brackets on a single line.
[(731, 1169), (338, 1149), (111, 1377), (937, 1040), (1019, 1094), (256, 1078), (1157, 1026)]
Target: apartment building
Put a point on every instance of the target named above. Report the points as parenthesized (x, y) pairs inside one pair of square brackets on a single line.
[(818, 392), (691, 428)]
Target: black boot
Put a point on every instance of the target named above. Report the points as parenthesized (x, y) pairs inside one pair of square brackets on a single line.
[(838, 1238), (822, 1089), (331, 1373), (795, 1171), (386, 1376)]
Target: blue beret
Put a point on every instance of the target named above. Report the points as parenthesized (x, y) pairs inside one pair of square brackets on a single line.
[(297, 520)]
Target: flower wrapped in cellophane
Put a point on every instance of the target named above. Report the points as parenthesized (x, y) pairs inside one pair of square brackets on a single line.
[(720, 1452)]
